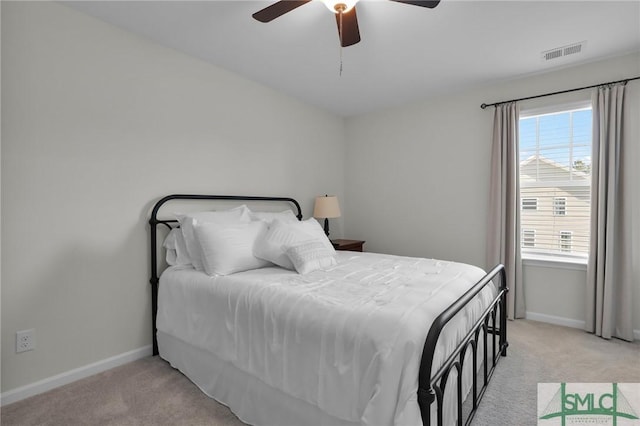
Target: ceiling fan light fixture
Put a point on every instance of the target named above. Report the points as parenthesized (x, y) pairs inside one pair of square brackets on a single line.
[(344, 11), (337, 6)]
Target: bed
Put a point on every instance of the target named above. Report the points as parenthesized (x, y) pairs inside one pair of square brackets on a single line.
[(367, 339)]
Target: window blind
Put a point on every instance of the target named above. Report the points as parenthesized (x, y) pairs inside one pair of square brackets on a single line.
[(555, 181)]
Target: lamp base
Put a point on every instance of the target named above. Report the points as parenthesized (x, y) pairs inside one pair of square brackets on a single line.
[(326, 227)]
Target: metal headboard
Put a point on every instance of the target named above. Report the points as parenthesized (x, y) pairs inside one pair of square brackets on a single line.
[(170, 223)]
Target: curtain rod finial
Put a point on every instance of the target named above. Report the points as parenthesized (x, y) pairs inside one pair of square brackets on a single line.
[(483, 106)]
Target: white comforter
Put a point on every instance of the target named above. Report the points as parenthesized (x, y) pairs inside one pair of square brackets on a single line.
[(347, 340)]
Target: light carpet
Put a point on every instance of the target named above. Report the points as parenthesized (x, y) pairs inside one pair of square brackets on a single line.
[(150, 392)]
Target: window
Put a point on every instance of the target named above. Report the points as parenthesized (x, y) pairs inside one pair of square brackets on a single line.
[(528, 238), (529, 204), (565, 241), (559, 206), (555, 180)]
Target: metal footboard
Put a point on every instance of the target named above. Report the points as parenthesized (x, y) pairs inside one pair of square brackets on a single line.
[(431, 386)]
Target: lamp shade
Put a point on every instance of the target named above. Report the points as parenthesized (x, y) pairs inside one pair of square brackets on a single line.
[(326, 207)]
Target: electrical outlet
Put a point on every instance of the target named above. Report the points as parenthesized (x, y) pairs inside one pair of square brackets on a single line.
[(25, 340)]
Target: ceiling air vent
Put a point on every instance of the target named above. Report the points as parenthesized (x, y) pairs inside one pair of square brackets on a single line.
[(559, 52)]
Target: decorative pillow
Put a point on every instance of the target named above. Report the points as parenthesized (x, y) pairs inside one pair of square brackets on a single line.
[(311, 226), (280, 234), (309, 256), (227, 249), (284, 216), (188, 221), (176, 248)]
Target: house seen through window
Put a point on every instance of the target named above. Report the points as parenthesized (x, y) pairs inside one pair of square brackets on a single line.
[(555, 181)]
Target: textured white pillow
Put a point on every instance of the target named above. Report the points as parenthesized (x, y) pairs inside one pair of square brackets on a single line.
[(271, 245), (176, 248), (269, 217), (311, 226), (227, 249), (236, 215), (309, 256)]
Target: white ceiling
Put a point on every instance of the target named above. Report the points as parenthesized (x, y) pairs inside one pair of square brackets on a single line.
[(406, 53)]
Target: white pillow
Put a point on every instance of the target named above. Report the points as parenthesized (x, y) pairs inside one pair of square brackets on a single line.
[(171, 257), (176, 248), (188, 221), (227, 249), (309, 256), (270, 246), (311, 226), (285, 216)]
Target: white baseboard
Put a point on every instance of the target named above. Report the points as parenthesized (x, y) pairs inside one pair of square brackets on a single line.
[(551, 319), (567, 322), (41, 386)]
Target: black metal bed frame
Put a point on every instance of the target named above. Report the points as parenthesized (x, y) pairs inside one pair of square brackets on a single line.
[(431, 386)]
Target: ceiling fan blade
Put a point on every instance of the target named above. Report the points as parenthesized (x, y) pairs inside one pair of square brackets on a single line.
[(350, 30), (277, 9), (428, 3)]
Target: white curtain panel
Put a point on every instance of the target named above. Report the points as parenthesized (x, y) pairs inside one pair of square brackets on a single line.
[(609, 272), (503, 238)]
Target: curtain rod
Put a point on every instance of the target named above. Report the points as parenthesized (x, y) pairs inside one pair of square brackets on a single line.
[(483, 106)]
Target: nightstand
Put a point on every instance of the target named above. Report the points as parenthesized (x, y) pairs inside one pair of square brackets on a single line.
[(350, 245)]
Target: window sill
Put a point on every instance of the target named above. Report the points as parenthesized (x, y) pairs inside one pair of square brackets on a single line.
[(559, 262)]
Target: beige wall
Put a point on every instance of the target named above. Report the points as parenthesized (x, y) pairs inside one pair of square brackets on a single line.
[(97, 124), (417, 178)]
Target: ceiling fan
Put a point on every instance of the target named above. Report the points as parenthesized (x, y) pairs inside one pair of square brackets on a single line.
[(345, 11)]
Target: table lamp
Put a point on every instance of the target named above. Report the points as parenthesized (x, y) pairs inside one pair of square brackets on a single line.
[(326, 208)]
